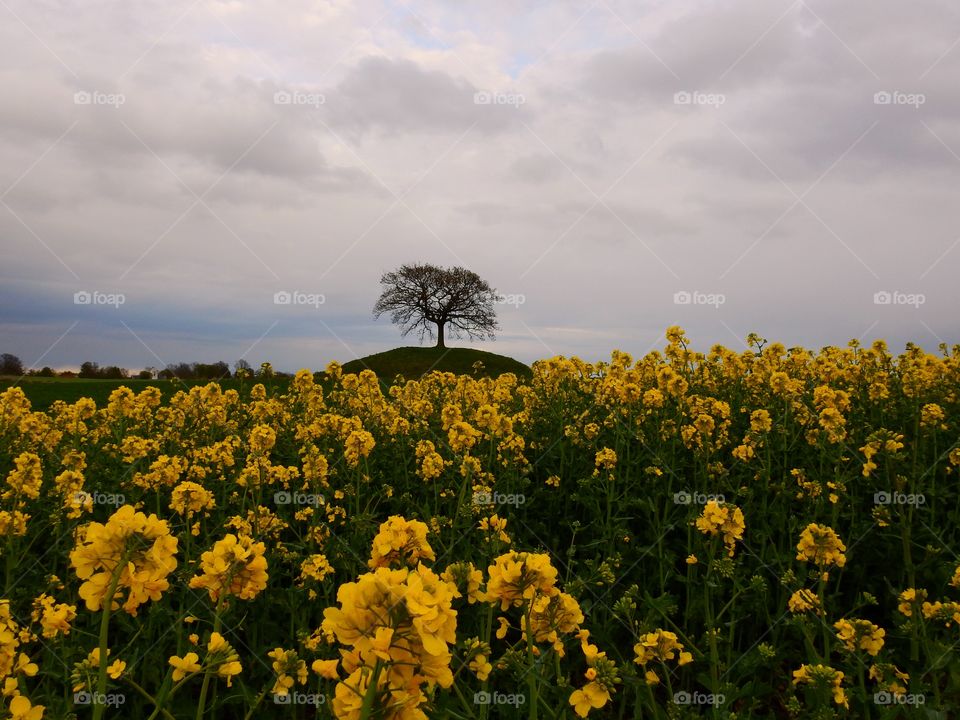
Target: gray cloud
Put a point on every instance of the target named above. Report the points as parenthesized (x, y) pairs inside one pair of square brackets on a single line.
[(599, 197)]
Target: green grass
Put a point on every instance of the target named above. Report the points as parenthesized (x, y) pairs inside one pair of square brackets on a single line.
[(413, 362), (43, 392)]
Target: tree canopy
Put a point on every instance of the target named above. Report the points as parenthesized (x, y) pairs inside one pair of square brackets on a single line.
[(433, 301)]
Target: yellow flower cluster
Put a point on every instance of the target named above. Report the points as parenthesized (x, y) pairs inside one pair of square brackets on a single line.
[(516, 578), (601, 676), (13, 661), (54, 617), (821, 546), (661, 646), (24, 483), (397, 625), (722, 519), (359, 444), (400, 541), (889, 677), (823, 676), (860, 635), (804, 600), (131, 551), (189, 498), (466, 580), (289, 670), (234, 567)]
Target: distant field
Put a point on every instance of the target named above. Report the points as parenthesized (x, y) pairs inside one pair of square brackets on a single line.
[(43, 392)]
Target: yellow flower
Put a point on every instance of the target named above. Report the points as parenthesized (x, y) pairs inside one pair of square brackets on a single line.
[(25, 666), (21, 709), (184, 666), (326, 669), (910, 598), (590, 697)]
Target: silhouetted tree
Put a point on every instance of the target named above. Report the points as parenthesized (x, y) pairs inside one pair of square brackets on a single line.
[(419, 297), (10, 365), (211, 371), (90, 370)]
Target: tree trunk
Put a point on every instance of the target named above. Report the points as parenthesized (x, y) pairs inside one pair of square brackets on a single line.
[(440, 335)]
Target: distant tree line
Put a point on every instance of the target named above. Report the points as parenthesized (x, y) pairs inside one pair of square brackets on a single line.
[(12, 365)]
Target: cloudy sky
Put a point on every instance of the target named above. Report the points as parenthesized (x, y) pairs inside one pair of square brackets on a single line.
[(789, 168)]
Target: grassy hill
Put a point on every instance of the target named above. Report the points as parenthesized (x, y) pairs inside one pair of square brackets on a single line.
[(412, 362)]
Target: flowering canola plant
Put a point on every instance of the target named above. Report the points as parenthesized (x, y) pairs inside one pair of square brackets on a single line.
[(761, 533)]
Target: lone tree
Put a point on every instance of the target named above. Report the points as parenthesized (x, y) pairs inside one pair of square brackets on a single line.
[(455, 300)]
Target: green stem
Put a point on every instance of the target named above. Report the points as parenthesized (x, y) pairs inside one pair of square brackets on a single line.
[(368, 697), (151, 699), (100, 707), (256, 703), (531, 676), (206, 676)]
